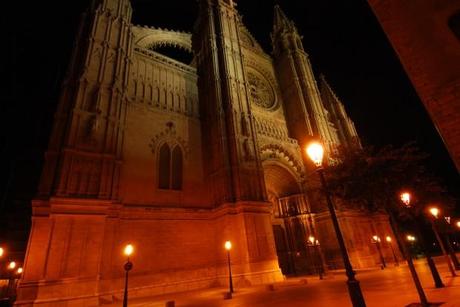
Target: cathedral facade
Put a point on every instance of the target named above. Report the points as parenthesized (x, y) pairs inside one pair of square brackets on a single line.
[(176, 158)]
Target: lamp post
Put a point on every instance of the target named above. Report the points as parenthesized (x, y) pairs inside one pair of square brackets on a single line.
[(376, 240), (406, 198), (9, 288), (315, 152), (451, 252), (434, 211), (450, 249), (128, 250), (389, 241), (313, 242), (228, 247)]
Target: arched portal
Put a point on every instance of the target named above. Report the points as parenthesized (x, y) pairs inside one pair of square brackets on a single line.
[(291, 218)]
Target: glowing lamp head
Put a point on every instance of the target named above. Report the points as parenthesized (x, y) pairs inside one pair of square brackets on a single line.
[(2, 251), (11, 265), (311, 239), (228, 245), (315, 152), (458, 224), (388, 238), (405, 198), (376, 238), (19, 271), (434, 212), (129, 249), (410, 238)]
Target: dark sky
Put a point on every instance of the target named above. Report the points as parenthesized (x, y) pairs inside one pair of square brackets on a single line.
[(343, 39)]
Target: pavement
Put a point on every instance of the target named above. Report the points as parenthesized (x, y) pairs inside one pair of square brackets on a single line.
[(392, 287)]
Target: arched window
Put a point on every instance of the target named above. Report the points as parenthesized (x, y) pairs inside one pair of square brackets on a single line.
[(176, 168), (454, 24), (170, 168), (164, 177)]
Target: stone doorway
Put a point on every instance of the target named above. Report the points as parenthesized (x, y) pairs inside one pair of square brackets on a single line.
[(291, 220)]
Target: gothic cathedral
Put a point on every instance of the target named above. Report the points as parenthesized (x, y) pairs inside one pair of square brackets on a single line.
[(176, 158)]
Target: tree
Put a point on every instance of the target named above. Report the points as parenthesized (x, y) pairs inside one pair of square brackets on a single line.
[(372, 179)]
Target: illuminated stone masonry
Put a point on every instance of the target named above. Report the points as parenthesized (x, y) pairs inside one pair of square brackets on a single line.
[(176, 158)]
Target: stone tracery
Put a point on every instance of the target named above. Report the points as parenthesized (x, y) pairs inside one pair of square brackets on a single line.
[(274, 151), (261, 91)]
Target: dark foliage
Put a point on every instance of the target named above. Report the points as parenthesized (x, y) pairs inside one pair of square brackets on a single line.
[(374, 178)]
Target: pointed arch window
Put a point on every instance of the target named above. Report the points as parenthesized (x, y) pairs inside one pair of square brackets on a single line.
[(170, 168)]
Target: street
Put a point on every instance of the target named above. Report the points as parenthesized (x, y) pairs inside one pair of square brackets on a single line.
[(390, 287)]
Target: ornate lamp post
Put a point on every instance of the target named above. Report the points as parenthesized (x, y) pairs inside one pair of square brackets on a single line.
[(10, 271), (128, 250), (389, 241), (228, 247), (315, 152), (315, 244), (434, 211), (406, 199), (376, 240), (450, 249)]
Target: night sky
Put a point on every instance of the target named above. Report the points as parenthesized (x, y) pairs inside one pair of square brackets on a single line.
[(343, 39)]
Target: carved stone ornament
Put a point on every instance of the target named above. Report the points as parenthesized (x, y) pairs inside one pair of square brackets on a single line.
[(261, 92), (169, 136)]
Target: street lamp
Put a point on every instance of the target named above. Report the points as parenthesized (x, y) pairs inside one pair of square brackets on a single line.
[(228, 247), (313, 242), (315, 152), (434, 211), (376, 240), (2, 251), (451, 251), (10, 286), (406, 198), (390, 242), (128, 250)]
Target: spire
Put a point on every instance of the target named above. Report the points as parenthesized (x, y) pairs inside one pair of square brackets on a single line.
[(325, 87), (284, 35), (338, 115), (280, 21)]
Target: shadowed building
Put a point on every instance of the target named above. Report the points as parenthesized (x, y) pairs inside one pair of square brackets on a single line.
[(176, 158), (426, 36)]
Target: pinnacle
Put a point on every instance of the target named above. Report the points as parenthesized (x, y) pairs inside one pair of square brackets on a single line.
[(280, 21)]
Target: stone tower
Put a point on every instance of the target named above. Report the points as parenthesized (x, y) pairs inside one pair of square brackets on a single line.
[(177, 157), (234, 167), (305, 112), (84, 154)]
